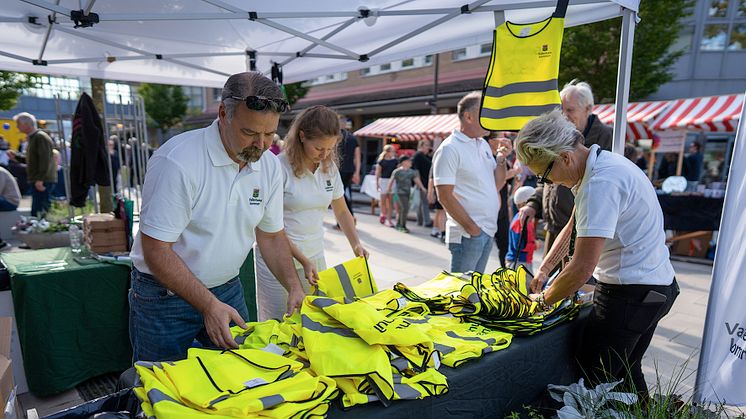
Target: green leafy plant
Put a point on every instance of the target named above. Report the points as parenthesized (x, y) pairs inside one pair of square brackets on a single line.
[(583, 403), (165, 105), (12, 86)]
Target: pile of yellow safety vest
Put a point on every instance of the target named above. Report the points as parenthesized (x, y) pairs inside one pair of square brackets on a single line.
[(349, 342)]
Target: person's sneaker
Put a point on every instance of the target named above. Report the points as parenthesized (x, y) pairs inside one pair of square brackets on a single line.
[(382, 219), (443, 238), (429, 225), (4, 244), (435, 234)]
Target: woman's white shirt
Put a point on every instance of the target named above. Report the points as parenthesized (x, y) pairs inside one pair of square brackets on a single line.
[(616, 201), (306, 200)]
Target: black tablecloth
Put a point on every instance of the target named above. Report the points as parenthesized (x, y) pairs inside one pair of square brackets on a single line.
[(691, 213)]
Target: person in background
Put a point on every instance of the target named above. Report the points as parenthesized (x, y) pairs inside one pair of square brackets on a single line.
[(692, 169), (439, 221), (276, 146), (40, 165), (616, 234), (521, 250), (503, 216), (404, 176), (4, 147), (630, 152), (554, 203), (311, 182), (667, 167), (422, 162), (10, 196), (468, 178), (385, 166), (113, 149), (208, 195), (348, 151)]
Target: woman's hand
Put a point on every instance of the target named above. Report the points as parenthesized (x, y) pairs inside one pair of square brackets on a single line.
[(309, 269), (360, 251), (537, 283)]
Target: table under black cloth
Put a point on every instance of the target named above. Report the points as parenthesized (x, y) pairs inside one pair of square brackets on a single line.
[(691, 212), (491, 386)]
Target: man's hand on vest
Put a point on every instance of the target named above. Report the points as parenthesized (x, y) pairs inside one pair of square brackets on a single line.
[(217, 323), (527, 213), (295, 299)]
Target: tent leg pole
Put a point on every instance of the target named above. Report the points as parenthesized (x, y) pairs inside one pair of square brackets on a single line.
[(63, 155), (629, 20)]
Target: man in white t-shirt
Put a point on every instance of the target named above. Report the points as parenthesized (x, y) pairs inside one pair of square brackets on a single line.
[(208, 195), (467, 179)]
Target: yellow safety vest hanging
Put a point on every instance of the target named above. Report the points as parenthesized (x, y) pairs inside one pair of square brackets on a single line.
[(521, 83), (349, 280)]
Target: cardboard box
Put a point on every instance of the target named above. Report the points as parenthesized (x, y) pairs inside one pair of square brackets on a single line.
[(8, 399), (693, 246), (104, 233)]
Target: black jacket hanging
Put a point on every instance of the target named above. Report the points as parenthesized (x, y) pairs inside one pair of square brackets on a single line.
[(88, 164)]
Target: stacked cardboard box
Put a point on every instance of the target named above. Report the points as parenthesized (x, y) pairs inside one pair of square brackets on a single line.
[(104, 233)]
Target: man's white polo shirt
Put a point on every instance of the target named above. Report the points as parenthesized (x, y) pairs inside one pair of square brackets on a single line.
[(306, 202), (616, 201), (468, 165), (195, 197)]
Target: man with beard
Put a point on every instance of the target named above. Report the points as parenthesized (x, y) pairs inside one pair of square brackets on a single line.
[(208, 195)]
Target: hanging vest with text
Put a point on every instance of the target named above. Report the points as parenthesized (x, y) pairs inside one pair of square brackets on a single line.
[(521, 83)]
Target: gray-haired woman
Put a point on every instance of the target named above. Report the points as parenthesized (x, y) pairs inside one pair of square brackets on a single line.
[(615, 233)]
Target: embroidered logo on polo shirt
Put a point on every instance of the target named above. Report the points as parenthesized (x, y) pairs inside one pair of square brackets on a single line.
[(255, 199), (329, 187)]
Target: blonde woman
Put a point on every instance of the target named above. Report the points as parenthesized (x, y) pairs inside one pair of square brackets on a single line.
[(311, 183), (385, 166)]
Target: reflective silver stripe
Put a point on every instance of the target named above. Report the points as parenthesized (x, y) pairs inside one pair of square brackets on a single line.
[(416, 321), (286, 374), (319, 293), (473, 298), (372, 398), (318, 327), (405, 391), (489, 341), (512, 111), (156, 396), (397, 378), (344, 279), (240, 339), (323, 302), (522, 87), (218, 400), (271, 401), (400, 363), (444, 349)]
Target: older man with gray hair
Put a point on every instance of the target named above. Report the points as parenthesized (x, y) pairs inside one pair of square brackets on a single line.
[(208, 195), (468, 178), (554, 203), (40, 164)]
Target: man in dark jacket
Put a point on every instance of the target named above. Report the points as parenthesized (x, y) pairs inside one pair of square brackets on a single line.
[(40, 164), (554, 203)]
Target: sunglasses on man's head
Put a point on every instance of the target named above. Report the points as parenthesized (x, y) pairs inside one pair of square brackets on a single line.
[(261, 103), (543, 180)]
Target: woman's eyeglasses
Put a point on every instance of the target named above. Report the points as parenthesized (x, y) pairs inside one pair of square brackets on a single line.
[(543, 180), (261, 103)]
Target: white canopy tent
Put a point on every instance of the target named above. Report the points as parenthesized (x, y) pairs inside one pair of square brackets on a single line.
[(201, 42)]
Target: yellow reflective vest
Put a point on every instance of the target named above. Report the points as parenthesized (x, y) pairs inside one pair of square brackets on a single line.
[(349, 280), (521, 83)]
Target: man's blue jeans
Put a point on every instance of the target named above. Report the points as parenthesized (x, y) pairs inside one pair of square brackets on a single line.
[(163, 325), (471, 254), (7, 206), (41, 201)]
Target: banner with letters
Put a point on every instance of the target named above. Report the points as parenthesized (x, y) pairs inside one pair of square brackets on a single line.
[(722, 362)]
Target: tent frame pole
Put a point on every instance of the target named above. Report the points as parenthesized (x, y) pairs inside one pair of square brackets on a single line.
[(626, 43)]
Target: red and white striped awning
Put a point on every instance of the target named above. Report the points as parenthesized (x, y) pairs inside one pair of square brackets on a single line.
[(640, 117), (412, 128), (713, 113)]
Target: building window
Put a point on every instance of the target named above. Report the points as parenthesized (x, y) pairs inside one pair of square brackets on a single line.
[(684, 42), (714, 38), (738, 37), (47, 87), (217, 94), (409, 62), (118, 93), (485, 49), (329, 78), (718, 8), (196, 97), (365, 71), (428, 59), (459, 54), (385, 67)]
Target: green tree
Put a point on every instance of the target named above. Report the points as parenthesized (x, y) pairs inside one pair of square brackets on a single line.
[(591, 52), (12, 86), (294, 92), (165, 105)]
